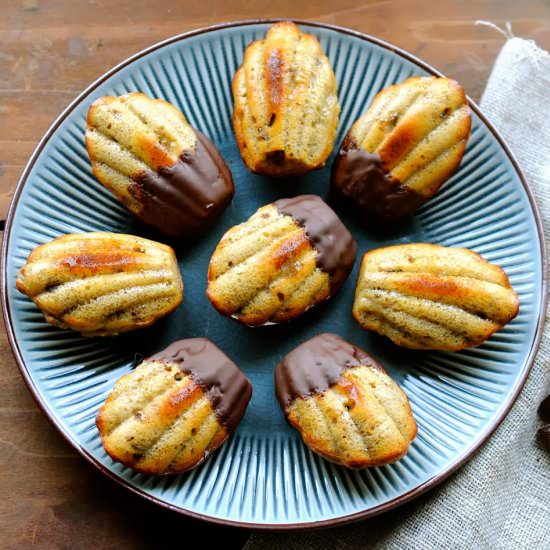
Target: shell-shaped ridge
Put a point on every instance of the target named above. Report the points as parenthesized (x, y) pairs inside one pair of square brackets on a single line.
[(344, 404), (286, 105), (427, 296), (265, 270), (102, 283), (288, 257), (419, 128), (397, 155), (165, 172), (174, 409)]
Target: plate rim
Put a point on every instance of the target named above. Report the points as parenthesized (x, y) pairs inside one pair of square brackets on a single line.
[(459, 460)]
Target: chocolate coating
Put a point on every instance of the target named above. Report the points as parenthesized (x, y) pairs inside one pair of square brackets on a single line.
[(223, 382), (335, 246), (315, 366), (360, 177), (187, 197)]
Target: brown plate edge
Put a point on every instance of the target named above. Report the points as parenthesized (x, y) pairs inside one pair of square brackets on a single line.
[(402, 499)]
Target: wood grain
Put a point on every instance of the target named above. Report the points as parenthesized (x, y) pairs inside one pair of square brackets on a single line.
[(51, 50)]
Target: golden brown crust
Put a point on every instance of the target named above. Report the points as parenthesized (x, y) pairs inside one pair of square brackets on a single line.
[(286, 108), (101, 284), (419, 128), (397, 155), (264, 270), (426, 296), (363, 420), (166, 173), (131, 134), (158, 420)]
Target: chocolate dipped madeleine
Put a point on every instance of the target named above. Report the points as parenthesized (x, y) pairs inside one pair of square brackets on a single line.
[(165, 172), (426, 296), (101, 284), (396, 156), (289, 256), (286, 104), (176, 408), (344, 404)]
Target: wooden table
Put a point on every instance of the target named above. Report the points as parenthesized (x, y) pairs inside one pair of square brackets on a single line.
[(52, 49)]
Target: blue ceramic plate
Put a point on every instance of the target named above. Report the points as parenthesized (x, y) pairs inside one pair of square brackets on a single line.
[(264, 476)]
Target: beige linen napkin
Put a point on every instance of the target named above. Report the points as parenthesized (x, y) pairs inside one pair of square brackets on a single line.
[(501, 498)]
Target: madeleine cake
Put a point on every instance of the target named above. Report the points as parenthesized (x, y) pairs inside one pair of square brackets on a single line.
[(426, 296), (344, 404), (176, 408), (396, 156), (286, 104), (289, 256), (101, 284), (165, 172)]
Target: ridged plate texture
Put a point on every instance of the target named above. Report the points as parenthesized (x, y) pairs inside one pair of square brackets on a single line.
[(264, 475)]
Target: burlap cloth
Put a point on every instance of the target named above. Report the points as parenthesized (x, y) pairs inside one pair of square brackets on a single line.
[(501, 497)]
